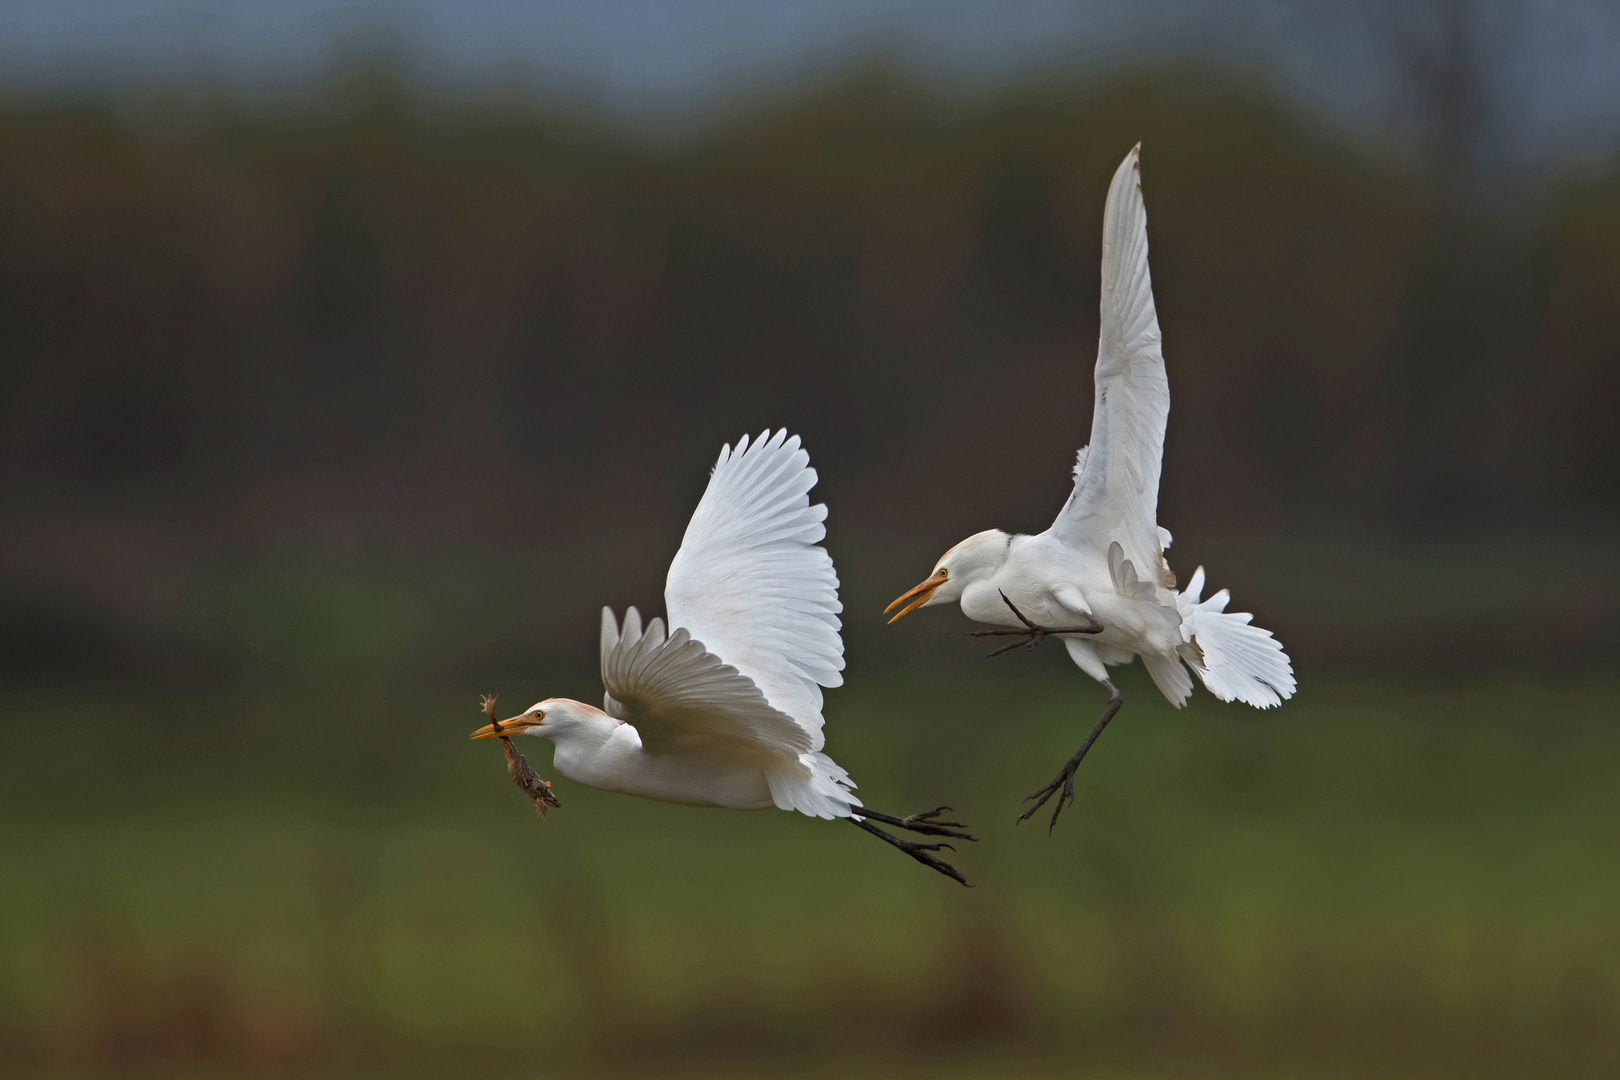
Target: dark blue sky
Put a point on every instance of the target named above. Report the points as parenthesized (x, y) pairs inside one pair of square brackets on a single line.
[(1549, 70)]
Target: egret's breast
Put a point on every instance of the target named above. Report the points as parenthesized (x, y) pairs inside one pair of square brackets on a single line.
[(1034, 566), (982, 602)]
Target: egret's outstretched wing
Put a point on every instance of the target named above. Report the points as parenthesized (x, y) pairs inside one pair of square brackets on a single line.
[(1116, 478), (679, 696), (751, 584)]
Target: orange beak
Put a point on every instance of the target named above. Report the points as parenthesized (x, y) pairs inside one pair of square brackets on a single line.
[(917, 595), (517, 725)]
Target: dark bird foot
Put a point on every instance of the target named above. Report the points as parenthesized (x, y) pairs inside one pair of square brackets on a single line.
[(921, 852), (1032, 634), (927, 823), (1064, 781)]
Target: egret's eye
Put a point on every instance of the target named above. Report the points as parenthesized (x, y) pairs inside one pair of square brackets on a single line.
[(943, 573)]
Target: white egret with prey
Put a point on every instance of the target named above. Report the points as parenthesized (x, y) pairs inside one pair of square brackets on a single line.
[(725, 709), (1098, 578)]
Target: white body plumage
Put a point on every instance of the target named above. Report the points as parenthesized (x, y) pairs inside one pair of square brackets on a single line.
[(601, 751), (725, 710), (1103, 558)]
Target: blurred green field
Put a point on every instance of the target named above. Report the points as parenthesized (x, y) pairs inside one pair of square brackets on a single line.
[(319, 417), (330, 879)]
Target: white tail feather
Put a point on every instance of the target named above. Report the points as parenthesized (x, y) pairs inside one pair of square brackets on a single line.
[(1236, 660), (1170, 677), (815, 785)]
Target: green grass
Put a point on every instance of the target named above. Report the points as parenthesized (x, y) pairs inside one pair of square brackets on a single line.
[(1376, 880)]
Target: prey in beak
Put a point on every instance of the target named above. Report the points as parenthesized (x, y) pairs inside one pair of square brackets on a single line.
[(517, 766), (918, 595)]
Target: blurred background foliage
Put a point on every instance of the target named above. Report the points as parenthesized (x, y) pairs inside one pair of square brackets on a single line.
[(320, 416)]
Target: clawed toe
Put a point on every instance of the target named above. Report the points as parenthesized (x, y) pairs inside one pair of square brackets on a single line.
[(1032, 634), (920, 852), (1063, 782), (1026, 640), (926, 823), (915, 849)]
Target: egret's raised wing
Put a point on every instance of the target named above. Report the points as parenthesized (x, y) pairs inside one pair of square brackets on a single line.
[(1116, 478), (750, 583), (679, 696)]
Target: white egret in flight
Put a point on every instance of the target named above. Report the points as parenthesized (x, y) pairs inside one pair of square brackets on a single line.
[(1098, 578), (725, 710)]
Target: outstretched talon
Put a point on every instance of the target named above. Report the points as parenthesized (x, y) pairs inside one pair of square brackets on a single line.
[(1063, 780), (1032, 634), (927, 824), (926, 821), (920, 852)]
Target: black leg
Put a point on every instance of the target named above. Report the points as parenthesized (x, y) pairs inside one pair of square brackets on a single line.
[(1032, 634), (917, 851), (1065, 779)]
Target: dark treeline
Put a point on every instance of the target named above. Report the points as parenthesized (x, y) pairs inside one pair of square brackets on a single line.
[(372, 318)]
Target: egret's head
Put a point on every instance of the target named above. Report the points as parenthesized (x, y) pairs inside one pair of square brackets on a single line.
[(532, 721), (980, 555), (549, 719)]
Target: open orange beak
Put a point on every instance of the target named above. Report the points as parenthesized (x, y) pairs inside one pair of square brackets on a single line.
[(917, 595), (517, 725)]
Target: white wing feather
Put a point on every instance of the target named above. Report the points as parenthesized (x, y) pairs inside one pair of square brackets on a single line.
[(679, 696), (1116, 478), (751, 584)]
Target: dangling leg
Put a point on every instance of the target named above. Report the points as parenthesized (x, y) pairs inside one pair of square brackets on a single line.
[(917, 851), (1065, 779)]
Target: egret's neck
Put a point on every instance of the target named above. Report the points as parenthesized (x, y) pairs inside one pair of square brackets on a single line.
[(575, 724), (980, 557)]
